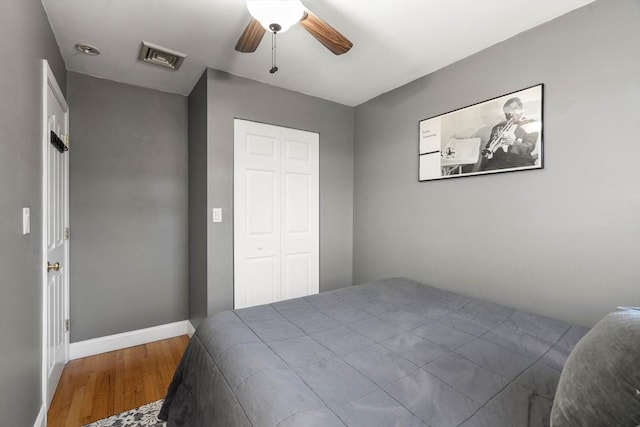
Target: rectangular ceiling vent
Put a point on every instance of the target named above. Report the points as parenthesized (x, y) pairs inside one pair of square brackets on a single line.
[(161, 56)]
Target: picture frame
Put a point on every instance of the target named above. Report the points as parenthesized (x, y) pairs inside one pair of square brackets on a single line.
[(502, 134)]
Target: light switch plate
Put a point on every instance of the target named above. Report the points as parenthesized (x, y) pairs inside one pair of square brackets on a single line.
[(217, 214), (26, 220)]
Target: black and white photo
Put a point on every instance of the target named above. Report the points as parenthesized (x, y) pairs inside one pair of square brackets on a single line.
[(502, 134)]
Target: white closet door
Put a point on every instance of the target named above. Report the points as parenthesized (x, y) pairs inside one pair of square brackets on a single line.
[(276, 213), (300, 214)]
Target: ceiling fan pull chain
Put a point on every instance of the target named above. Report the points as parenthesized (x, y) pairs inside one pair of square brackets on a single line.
[(274, 67)]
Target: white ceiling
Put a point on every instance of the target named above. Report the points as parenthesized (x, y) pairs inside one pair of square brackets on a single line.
[(395, 41)]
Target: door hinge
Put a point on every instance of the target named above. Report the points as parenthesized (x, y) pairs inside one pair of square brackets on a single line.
[(66, 233), (67, 325)]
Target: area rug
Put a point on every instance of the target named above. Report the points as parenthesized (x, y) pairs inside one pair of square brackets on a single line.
[(143, 416)]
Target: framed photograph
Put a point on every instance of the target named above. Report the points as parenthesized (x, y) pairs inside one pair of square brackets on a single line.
[(503, 134)]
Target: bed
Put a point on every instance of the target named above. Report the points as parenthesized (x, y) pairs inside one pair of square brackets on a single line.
[(392, 352)]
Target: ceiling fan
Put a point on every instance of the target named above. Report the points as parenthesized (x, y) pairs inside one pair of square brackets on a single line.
[(277, 16)]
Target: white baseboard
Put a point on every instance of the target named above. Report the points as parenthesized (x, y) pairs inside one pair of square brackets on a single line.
[(190, 329), (94, 346), (41, 420)]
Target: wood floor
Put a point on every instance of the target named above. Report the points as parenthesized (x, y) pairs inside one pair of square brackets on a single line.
[(96, 387)]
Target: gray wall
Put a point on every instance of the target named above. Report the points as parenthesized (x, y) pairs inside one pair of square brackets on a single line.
[(563, 241), (232, 97), (128, 207), (25, 39), (198, 201)]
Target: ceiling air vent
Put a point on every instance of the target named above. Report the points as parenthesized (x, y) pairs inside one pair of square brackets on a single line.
[(161, 56)]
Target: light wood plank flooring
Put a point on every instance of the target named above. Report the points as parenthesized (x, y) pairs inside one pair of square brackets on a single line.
[(96, 387)]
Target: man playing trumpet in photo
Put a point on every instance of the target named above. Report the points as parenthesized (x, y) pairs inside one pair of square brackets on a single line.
[(513, 141)]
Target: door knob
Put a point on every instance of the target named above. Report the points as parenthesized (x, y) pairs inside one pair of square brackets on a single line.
[(54, 267)]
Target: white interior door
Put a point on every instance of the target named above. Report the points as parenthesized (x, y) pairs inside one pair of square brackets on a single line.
[(256, 214), (300, 218), (276, 213), (55, 238)]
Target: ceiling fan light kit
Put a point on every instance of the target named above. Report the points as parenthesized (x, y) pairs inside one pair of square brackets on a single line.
[(278, 16)]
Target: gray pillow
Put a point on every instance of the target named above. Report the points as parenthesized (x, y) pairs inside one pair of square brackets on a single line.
[(600, 382)]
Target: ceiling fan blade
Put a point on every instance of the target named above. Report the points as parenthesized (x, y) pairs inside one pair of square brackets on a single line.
[(251, 37), (325, 34)]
